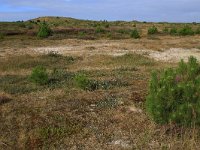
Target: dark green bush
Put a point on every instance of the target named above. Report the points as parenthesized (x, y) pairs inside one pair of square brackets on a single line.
[(44, 31), (135, 34), (174, 95), (152, 30), (39, 75), (173, 31), (187, 30)]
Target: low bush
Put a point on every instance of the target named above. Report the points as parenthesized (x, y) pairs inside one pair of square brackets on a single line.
[(186, 31), (44, 31), (99, 29), (166, 30), (135, 34), (152, 30), (173, 31), (4, 99), (174, 95), (39, 75), (84, 83), (197, 30), (1, 36)]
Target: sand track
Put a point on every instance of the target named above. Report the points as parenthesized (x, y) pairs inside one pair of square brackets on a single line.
[(112, 48), (170, 55)]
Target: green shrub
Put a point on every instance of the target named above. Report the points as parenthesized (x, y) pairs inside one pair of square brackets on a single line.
[(166, 30), (186, 31), (173, 31), (82, 81), (39, 75), (152, 30), (99, 29), (123, 31), (81, 34), (174, 95), (44, 31), (135, 34)]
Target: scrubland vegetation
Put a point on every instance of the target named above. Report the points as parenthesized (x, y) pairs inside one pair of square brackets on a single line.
[(127, 101)]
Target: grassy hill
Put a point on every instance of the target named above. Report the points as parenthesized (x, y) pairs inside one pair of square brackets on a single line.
[(86, 29)]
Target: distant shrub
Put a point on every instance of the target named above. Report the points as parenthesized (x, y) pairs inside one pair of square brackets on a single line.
[(173, 31), (134, 25), (1, 36), (39, 75), (81, 34), (82, 81), (197, 30), (123, 31), (135, 34), (4, 99), (44, 31), (22, 24), (152, 30), (166, 30), (99, 29), (29, 26), (54, 54), (187, 30), (106, 25), (174, 94)]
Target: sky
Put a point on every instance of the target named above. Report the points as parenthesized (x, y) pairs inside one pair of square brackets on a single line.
[(141, 10)]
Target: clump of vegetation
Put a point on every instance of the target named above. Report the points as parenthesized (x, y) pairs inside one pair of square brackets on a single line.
[(173, 31), (99, 29), (44, 31), (197, 30), (54, 54), (81, 34), (21, 24), (39, 75), (166, 30), (123, 31), (174, 95), (4, 99), (82, 81), (152, 30), (1, 36), (187, 30), (135, 34)]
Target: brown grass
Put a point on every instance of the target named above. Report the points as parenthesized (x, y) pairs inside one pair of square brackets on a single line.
[(60, 115)]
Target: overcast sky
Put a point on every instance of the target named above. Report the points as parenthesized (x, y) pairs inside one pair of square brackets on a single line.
[(142, 10)]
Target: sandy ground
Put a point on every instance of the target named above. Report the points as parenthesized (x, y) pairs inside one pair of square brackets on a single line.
[(114, 48)]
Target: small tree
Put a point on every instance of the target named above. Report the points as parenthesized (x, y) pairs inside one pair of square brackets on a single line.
[(82, 81), (39, 75), (173, 31), (174, 95), (152, 30), (187, 30), (44, 31), (135, 34)]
